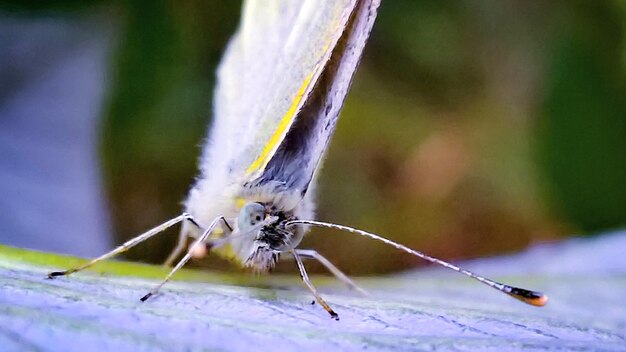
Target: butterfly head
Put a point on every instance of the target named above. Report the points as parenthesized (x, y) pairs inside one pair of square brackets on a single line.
[(262, 235)]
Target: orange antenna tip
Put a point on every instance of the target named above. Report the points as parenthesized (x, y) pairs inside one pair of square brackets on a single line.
[(539, 302), (533, 298)]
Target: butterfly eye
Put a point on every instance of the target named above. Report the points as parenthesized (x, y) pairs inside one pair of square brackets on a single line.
[(250, 215)]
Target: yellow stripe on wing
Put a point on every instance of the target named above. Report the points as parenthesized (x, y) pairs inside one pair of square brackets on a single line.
[(279, 134)]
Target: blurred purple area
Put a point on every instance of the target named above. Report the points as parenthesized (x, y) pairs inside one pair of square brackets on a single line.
[(577, 257), (52, 71), (603, 255), (416, 311)]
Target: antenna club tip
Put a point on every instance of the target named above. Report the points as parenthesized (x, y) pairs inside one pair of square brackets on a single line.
[(533, 298), (538, 300)]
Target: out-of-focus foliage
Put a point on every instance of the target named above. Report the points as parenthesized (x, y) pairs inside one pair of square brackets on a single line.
[(472, 127), (582, 127), (160, 107)]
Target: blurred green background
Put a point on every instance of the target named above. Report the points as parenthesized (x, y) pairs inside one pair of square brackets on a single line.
[(473, 128)]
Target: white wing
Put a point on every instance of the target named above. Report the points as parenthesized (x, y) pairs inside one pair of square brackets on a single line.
[(295, 162), (270, 67), (281, 86)]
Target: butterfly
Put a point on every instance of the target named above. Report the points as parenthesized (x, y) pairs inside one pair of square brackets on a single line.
[(281, 86)]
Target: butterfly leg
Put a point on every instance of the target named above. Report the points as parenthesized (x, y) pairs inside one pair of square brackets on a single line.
[(126, 246), (307, 282), (180, 247), (313, 254), (183, 261), (184, 237)]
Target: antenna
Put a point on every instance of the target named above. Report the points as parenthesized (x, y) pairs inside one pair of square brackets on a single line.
[(534, 298)]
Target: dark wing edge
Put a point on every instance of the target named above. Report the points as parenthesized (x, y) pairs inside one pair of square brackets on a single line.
[(295, 163)]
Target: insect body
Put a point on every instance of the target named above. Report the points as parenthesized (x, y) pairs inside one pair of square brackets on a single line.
[(281, 86)]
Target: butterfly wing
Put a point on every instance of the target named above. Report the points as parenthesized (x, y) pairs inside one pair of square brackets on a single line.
[(270, 68), (295, 162), (281, 85)]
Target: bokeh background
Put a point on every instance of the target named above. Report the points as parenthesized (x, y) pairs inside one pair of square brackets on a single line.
[(473, 128)]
